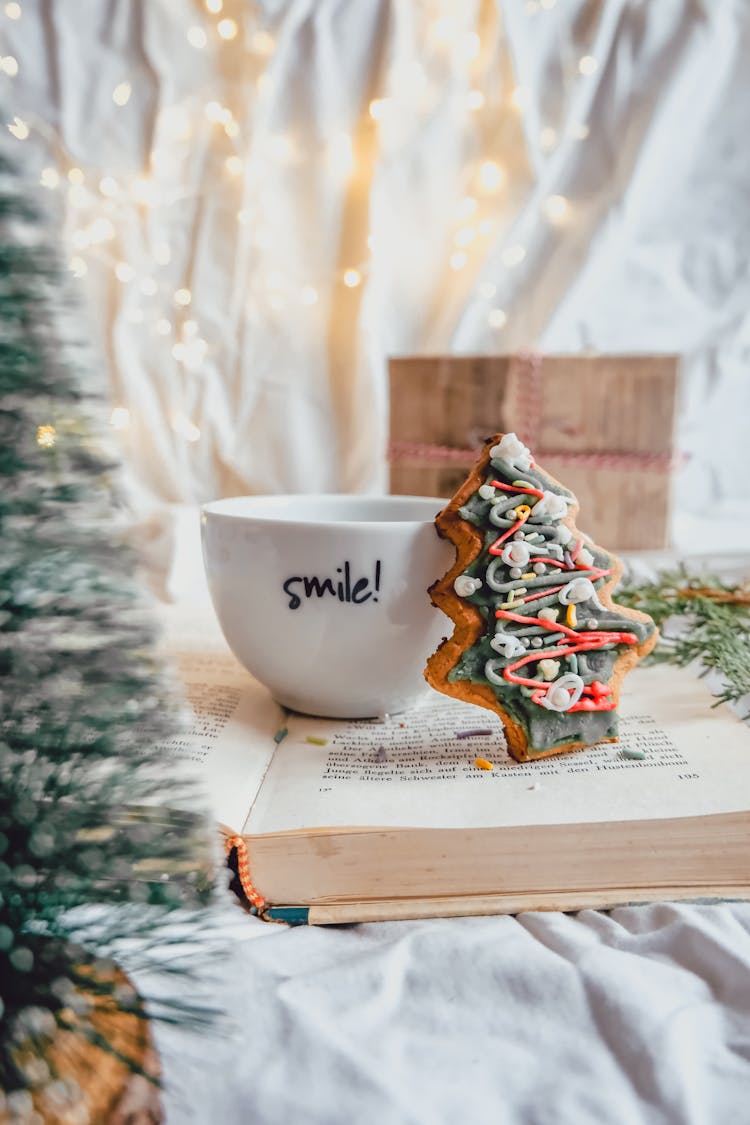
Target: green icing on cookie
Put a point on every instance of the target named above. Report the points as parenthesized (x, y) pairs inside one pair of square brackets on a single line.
[(551, 674)]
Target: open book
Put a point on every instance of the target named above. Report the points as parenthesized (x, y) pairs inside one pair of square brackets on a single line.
[(365, 820)]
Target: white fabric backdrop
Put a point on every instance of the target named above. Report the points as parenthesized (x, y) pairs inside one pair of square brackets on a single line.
[(270, 392)]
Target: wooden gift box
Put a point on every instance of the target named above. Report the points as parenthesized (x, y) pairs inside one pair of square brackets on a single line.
[(603, 425)]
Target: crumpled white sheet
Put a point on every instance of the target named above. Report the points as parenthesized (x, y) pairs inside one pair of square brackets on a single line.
[(292, 396), (639, 1015)]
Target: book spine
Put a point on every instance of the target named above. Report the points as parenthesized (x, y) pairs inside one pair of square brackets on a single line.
[(292, 915), (251, 893)]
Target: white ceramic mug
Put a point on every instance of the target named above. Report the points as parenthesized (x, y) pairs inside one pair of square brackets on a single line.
[(324, 598)]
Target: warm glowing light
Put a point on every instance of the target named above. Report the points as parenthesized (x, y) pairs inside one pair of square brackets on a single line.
[(548, 138), (243, 218), (262, 43), (214, 6), (101, 230), (120, 417), (162, 253), (19, 129), (233, 165), (379, 108), (474, 99), (467, 207), (215, 112), (149, 287), (518, 97), (49, 178), (13, 10), (9, 66), (77, 266), (458, 260), (580, 131), (45, 436), (352, 278), (588, 64), (491, 175), (163, 327), (309, 295), (108, 186), (231, 128), (124, 272), (121, 93), (488, 289), (513, 255), (486, 226), (174, 123), (183, 297), (464, 236), (227, 29), (496, 318), (75, 176), (556, 208), (190, 328), (197, 37)]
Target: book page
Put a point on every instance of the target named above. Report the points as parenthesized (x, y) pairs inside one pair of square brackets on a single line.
[(413, 770), (228, 743)]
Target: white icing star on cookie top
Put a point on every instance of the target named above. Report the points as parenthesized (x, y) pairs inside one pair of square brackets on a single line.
[(512, 449)]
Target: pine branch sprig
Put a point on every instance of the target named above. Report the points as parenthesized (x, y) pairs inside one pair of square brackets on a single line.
[(702, 620)]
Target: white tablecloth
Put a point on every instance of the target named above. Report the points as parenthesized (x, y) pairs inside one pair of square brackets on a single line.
[(640, 1015)]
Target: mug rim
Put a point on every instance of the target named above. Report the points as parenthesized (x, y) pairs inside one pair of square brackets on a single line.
[(212, 509)]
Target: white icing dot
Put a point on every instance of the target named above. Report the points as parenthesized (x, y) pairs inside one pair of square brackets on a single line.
[(516, 553), (549, 614), (563, 693), (563, 534), (579, 590), (540, 568), (515, 572), (465, 585), (487, 492), (585, 558), (548, 668), (510, 448), (551, 504), (507, 644)]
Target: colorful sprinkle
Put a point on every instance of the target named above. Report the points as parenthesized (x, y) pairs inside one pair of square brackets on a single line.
[(312, 738), (483, 764), (281, 734), (475, 733), (570, 616), (638, 755)]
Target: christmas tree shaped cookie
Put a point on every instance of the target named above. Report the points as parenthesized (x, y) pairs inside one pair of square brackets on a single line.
[(537, 637)]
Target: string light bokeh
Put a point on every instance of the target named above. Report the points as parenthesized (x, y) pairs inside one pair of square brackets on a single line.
[(120, 221)]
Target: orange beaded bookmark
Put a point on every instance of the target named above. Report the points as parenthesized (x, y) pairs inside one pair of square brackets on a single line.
[(243, 871)]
